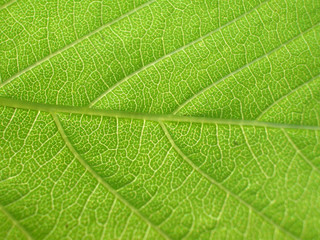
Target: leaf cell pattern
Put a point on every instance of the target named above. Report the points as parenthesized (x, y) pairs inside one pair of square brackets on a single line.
[(161, 119)]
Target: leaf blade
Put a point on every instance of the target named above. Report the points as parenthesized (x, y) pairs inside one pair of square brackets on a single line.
[(177, 120)]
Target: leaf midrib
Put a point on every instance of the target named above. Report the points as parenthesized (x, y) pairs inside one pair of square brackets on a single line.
[(8, 102), (53, 108)]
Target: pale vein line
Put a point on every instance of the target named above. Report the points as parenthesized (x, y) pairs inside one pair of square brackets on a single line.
[(172, 53), (299, 152), (145, 116), (15, 222), (243, 67), (74, 43), (100, 179), (210, 179), (7, 4), (285, 96)]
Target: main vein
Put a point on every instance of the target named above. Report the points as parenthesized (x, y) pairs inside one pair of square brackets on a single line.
[(145, 116)]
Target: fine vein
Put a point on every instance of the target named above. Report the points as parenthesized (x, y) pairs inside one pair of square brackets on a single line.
[(100, 179), (74, 43), (299, 152), (285, 96), (210, 179), (241, 68), (171, 53)]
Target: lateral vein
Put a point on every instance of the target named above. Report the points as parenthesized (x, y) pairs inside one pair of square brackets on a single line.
[(219, 185), (73, 44), (285, 96), (15, 222), (7, 4), (241, 68), (299, 152), (100, 179), (171, 53)]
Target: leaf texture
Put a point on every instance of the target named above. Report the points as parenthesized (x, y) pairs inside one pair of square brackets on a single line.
[(161, 119)]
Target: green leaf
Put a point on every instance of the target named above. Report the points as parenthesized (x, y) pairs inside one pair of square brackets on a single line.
[(161, 119)]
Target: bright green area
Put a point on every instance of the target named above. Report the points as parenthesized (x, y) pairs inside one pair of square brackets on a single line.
[(160, 119)]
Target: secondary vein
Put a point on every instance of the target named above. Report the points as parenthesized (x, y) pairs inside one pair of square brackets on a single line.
[(100, 179), (219, 185), (73, 44), (241, 68), (7, 4), (93, 102), (15, 222), (286, 95), (299, 152)]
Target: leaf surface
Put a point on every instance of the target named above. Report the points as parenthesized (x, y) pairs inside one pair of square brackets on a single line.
[(160, 119)]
